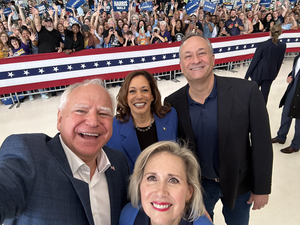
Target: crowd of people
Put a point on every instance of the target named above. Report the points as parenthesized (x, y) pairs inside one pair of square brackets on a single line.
[(24, 31)]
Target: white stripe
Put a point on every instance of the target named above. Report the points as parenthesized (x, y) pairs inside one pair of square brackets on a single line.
[(83, 73)]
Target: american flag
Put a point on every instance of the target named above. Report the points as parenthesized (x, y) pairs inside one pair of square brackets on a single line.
[(57, 69)]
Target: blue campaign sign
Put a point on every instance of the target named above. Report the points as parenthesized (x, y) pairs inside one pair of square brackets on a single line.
[(265, 3), (220, 2), (74, 4), (293, 0), (42, 9), (229, 7), (120, 5), (209, 7), (7, 11), (192, 6), (239, 4), (73, 20), (147, 6)]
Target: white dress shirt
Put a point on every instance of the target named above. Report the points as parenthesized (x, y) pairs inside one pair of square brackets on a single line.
[(99, 195), (297, 66)]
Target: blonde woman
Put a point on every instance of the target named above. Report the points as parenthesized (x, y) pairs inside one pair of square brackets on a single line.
[(267, 61)]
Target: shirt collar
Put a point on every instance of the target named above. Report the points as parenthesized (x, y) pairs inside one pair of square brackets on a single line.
[(212, 95), (75, 162)]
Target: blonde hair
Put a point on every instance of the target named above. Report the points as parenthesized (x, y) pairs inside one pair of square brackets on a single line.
[(276, 31), (195, 207)]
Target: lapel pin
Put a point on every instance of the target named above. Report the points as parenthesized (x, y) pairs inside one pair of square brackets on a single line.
[(113, 168), (164, 128)]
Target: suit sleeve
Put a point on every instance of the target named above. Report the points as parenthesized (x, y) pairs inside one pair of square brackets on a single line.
[(17, 177), (262, 152), (256, 59)]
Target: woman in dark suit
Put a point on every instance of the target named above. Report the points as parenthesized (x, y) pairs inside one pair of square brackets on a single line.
[(267, 61), (141, 119), (74, 39)]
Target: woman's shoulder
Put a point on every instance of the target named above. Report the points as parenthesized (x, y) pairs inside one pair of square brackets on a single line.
[(202, 220), (128, 214)]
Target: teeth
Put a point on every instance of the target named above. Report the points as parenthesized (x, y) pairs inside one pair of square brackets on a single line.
[(161, 206), (197, 68), (139, 104), (88, 134)]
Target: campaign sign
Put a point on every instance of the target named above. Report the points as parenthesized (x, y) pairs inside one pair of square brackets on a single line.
[(74, 4), (121, 5), (215, 1), (42, 9), (209, 7), (293, 0), (192, 6), (220, 2), (7, 11), (58, 9), (229, 7), (265, 3), (239, 4), (73, 20), (148, 6)]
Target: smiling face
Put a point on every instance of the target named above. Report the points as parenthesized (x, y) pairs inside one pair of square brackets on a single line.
[(85, 121), (139, 96), (15, 43), (196, 59), (75, 29), (164, 189)]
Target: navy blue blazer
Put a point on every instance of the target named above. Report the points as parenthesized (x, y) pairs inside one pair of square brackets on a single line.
[(266, 61), (129, 214), (124, 136), (37, 185)]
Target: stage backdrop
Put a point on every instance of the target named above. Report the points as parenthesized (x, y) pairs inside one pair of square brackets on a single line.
[(56, 69)]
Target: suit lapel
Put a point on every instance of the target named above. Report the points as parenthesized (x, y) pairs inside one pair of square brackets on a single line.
[(164, 131), (81, 187), (225, 101), (130, 144), (184, 118)]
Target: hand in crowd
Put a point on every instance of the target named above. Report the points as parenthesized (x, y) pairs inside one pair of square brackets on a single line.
[(68, 51), (173, 22), (32, 36), (236, 24), (34, 11), (11, 14), (50, 12), (55, 7), (66, 23)]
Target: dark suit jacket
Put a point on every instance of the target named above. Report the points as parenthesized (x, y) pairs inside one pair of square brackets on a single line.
[(70, 40), (37, 185), (244, 166), (295, 106), (266, 61), (124, 136)]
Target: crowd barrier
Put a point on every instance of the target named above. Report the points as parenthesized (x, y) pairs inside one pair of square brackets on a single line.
[(58, 70)]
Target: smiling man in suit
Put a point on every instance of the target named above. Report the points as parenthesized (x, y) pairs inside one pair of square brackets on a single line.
[(71, 178), (226, 123)]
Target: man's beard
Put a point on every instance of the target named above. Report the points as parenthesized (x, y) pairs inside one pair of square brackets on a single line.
[(49, 28)]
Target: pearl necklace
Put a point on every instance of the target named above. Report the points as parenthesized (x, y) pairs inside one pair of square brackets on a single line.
[(145, 129)]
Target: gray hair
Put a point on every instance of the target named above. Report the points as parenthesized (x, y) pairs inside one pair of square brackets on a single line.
[(195, 207), (163, 22), (65, 95), (191, 34)]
